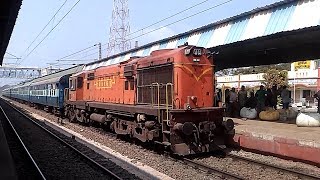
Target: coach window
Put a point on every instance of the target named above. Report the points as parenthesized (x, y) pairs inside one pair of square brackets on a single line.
[(79, 82)]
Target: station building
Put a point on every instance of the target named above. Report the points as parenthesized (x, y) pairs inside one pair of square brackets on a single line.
[(303, 80)]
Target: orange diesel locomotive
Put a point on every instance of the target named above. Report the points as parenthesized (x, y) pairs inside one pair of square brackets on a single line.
[(166, 98)]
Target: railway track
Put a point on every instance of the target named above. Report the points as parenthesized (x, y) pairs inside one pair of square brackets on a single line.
[(210, 169), (301, 175), (56, 156), (228, 175), (24, 162)]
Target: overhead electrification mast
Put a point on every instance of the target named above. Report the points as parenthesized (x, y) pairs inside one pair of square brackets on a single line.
[(120, 28)]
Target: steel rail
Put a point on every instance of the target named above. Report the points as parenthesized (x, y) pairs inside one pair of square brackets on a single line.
[(273, 166), (67, 144), (223, 174), (23, 145)]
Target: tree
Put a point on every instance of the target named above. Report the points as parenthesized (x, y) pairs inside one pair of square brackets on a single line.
[(253, 69), (262, 68), (274, 77)]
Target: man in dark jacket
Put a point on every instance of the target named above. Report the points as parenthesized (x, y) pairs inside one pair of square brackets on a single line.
[(251, 102), (261, 96), (317, 96)]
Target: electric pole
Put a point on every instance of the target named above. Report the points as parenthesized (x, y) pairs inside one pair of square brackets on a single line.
[(120, 28), (99, 46), (100, 51)]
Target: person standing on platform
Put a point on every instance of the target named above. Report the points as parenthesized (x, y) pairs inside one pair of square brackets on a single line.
[(251, 102), (227, 101), (261, 95), (285, 95), (233, 102), (242, 96), (274, 99), (317, 96), (218, 96), (269, 98)]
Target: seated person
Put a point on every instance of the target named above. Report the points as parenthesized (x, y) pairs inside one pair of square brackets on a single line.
[(251, 102)]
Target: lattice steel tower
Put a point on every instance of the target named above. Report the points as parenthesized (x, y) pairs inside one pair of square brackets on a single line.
[(120, 28)]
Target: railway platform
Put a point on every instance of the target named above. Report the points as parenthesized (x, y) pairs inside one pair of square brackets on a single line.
[(283, 139), (7, 168)]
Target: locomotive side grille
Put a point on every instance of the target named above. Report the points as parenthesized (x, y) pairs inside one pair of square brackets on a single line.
[(128, 71), (154, 79)]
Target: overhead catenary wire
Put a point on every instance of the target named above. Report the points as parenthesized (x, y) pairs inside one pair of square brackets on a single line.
[(88, 55), (191, 7), (70, 55), (45, 26), (13, 55), (200, 12), (169, 24), (80, 52), (72, 60), (49, 32)]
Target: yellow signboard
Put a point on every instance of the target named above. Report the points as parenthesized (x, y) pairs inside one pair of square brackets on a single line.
[(302, 65)]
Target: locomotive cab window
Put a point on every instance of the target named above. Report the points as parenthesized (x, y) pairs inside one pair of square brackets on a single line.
[(126, 85), (79, 82), (90, 76), (72, 84), (132, 85)]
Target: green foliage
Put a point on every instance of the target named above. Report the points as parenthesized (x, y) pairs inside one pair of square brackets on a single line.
[(275, 77)]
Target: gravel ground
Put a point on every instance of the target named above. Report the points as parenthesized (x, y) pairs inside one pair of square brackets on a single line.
[(298, 166), (173, 168), (246, 170)]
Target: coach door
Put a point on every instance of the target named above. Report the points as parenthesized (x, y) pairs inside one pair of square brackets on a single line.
[(79, 91), (129, 85), (72, 89)]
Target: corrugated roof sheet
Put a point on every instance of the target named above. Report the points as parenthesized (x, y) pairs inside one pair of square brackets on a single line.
[(279, 17), (58, 74)]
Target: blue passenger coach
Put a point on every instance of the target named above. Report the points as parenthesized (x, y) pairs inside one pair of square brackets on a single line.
[(46, 92)]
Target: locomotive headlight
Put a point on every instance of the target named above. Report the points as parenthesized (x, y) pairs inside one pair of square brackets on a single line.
[(196, 60)]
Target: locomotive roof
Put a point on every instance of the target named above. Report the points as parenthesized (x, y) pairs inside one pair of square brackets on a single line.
[(119, 60)]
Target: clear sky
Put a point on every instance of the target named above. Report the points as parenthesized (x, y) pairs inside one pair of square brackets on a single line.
[(90, 20)]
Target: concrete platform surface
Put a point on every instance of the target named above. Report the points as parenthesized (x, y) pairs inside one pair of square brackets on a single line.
[(283, 139)]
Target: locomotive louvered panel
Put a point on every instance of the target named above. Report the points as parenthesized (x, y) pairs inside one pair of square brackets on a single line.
[(147, 84), (128, 71)]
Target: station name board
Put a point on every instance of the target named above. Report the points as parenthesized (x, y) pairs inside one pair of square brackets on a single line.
[(302, 65)]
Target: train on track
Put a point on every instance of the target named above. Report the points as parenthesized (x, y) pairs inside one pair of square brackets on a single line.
[(166, 98)]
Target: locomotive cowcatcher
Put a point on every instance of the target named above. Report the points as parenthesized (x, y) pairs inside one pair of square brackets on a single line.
[(166, 98)]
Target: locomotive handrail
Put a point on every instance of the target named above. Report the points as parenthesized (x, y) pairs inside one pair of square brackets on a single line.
[(167, 100), (158, 88)]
